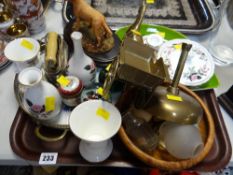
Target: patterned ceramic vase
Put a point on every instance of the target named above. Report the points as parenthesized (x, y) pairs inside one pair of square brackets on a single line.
[(40, 97), (80, 64)]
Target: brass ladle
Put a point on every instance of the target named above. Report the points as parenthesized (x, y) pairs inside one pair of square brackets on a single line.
[(135, 27), (170, 103)]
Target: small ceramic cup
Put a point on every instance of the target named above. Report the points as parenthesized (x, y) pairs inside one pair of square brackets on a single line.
[(153, 40), (24, 52), (181, 141)]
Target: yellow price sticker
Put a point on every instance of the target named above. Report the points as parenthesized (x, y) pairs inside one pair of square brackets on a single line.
[(27, 44), (50, 103), (150, 1), (178, 46), (136, 32), (100, 91), (174, 97), (63, 81), (108, 67), (103, 113)]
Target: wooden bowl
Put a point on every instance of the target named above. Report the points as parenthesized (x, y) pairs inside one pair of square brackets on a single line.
[(160, 158)]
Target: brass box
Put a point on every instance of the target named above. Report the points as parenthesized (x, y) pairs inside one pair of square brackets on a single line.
[(139, 65)]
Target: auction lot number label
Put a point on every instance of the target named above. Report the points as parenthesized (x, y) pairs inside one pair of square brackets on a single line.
[(48, 158)]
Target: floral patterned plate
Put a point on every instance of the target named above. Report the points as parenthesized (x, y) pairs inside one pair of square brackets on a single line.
[(199, 66)]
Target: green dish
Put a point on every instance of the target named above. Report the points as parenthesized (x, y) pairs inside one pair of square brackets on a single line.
[(170, 34)]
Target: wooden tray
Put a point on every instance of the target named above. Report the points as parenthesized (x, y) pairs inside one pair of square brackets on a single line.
[(226, 100), (26, 145)]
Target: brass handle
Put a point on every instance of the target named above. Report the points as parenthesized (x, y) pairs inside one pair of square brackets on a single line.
[(137, 23), (184, 54), (51, 49), (49, 139), (179, 69), (111, 75)]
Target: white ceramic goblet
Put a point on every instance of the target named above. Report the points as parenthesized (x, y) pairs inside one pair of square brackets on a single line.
[(95, 122)]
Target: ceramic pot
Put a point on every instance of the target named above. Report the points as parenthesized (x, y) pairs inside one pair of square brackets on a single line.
[(71, 93), (80, 64), (30, 11), (40, 97)]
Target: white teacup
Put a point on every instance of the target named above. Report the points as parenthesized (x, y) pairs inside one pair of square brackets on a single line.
[(24, 52), (95, 122), (181, 141), (154, 40)]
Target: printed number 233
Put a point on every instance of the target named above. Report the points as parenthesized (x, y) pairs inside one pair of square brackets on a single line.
[(47, 158)]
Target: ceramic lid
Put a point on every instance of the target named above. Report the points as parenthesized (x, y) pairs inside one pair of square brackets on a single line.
[(74, 87)]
